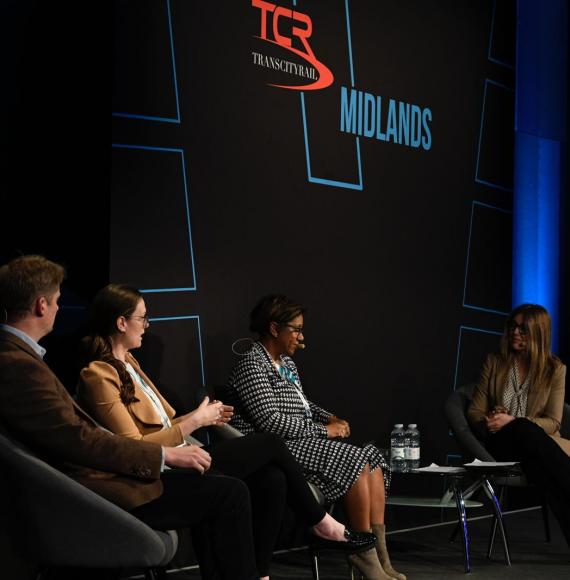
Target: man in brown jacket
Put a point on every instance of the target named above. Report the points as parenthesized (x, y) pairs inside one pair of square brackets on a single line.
[(37, 410)]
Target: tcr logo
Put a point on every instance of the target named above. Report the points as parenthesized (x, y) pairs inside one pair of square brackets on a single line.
[(272, 14)]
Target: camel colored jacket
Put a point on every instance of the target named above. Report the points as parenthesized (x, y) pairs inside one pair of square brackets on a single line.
[(98, 391), (544, 406)]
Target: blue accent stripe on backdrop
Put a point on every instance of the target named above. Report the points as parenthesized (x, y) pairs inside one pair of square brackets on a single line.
[(332, 182), (188, 317), (470, 329), (477, 178), (187, 205), (175, 82), (471, 306), (490, 50)]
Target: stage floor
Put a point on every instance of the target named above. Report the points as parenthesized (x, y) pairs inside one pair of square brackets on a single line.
[(426, 553)]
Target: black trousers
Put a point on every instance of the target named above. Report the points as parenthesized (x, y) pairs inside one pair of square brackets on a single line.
[(543, 461), (217, 509), (274, 479)]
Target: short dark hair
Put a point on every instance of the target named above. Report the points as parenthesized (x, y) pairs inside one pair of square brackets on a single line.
[(24, 279), (273, 308)]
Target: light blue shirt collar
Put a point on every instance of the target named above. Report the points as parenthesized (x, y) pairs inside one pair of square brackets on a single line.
[(39, 350)]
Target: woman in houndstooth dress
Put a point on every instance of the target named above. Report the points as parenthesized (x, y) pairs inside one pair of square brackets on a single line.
[(265, 390)]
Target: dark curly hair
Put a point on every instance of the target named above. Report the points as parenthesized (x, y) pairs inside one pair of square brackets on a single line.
[(273, 308)]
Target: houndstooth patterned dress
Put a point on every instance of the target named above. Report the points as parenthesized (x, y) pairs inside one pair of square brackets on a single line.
[(265, 401)]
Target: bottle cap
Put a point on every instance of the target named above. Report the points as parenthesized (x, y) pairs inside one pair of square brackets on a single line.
[(412, 426), (399, 425)]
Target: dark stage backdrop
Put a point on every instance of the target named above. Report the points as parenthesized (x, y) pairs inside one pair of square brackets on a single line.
[(355, 155)]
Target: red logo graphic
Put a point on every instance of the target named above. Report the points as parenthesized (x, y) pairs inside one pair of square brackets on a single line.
[(274, 13)]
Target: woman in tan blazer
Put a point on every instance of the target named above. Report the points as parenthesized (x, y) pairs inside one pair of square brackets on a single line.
[(123, 399), (517, 407), (100, 390)]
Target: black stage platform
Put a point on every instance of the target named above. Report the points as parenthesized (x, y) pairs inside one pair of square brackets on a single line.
[(426, 553)]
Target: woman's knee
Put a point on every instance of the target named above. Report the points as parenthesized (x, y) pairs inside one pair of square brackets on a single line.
[(521, 429), (521, 437), (364, 474), (378, 473)]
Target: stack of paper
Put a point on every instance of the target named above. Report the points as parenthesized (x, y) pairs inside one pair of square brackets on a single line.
[(477, 463)]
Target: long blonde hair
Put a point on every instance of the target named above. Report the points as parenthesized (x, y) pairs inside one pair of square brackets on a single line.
[(542, 363)]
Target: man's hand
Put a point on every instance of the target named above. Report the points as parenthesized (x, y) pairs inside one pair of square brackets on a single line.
[(189, 456)]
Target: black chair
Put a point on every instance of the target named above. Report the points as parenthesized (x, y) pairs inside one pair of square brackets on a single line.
[(59, 523), (455, 410)]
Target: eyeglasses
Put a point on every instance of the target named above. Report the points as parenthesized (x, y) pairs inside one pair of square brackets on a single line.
[(295, 329), (522, 328), (145, 319)]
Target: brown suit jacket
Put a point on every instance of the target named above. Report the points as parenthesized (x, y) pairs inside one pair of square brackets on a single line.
[(37, 410), (544, 406), (98, 392)]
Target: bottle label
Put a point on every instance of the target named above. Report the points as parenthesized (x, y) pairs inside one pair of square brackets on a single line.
[(398, 453), (412, 453)]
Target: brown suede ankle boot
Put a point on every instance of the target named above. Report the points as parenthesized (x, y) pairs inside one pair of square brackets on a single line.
[(368, 565), (379, 531)]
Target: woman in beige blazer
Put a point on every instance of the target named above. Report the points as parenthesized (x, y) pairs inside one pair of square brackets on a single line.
[(123, 399), (517, 407), (100, 391)]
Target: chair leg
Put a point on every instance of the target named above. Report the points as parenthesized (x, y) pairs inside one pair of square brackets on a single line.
[(314, 556), (546, 520)]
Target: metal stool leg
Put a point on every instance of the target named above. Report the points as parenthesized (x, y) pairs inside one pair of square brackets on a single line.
[(493, 531), (467, 493), (498, 519), (462, 522), (453, 536)]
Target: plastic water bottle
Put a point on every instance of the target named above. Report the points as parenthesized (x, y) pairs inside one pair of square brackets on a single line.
[(412, 452), (397, 449)]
